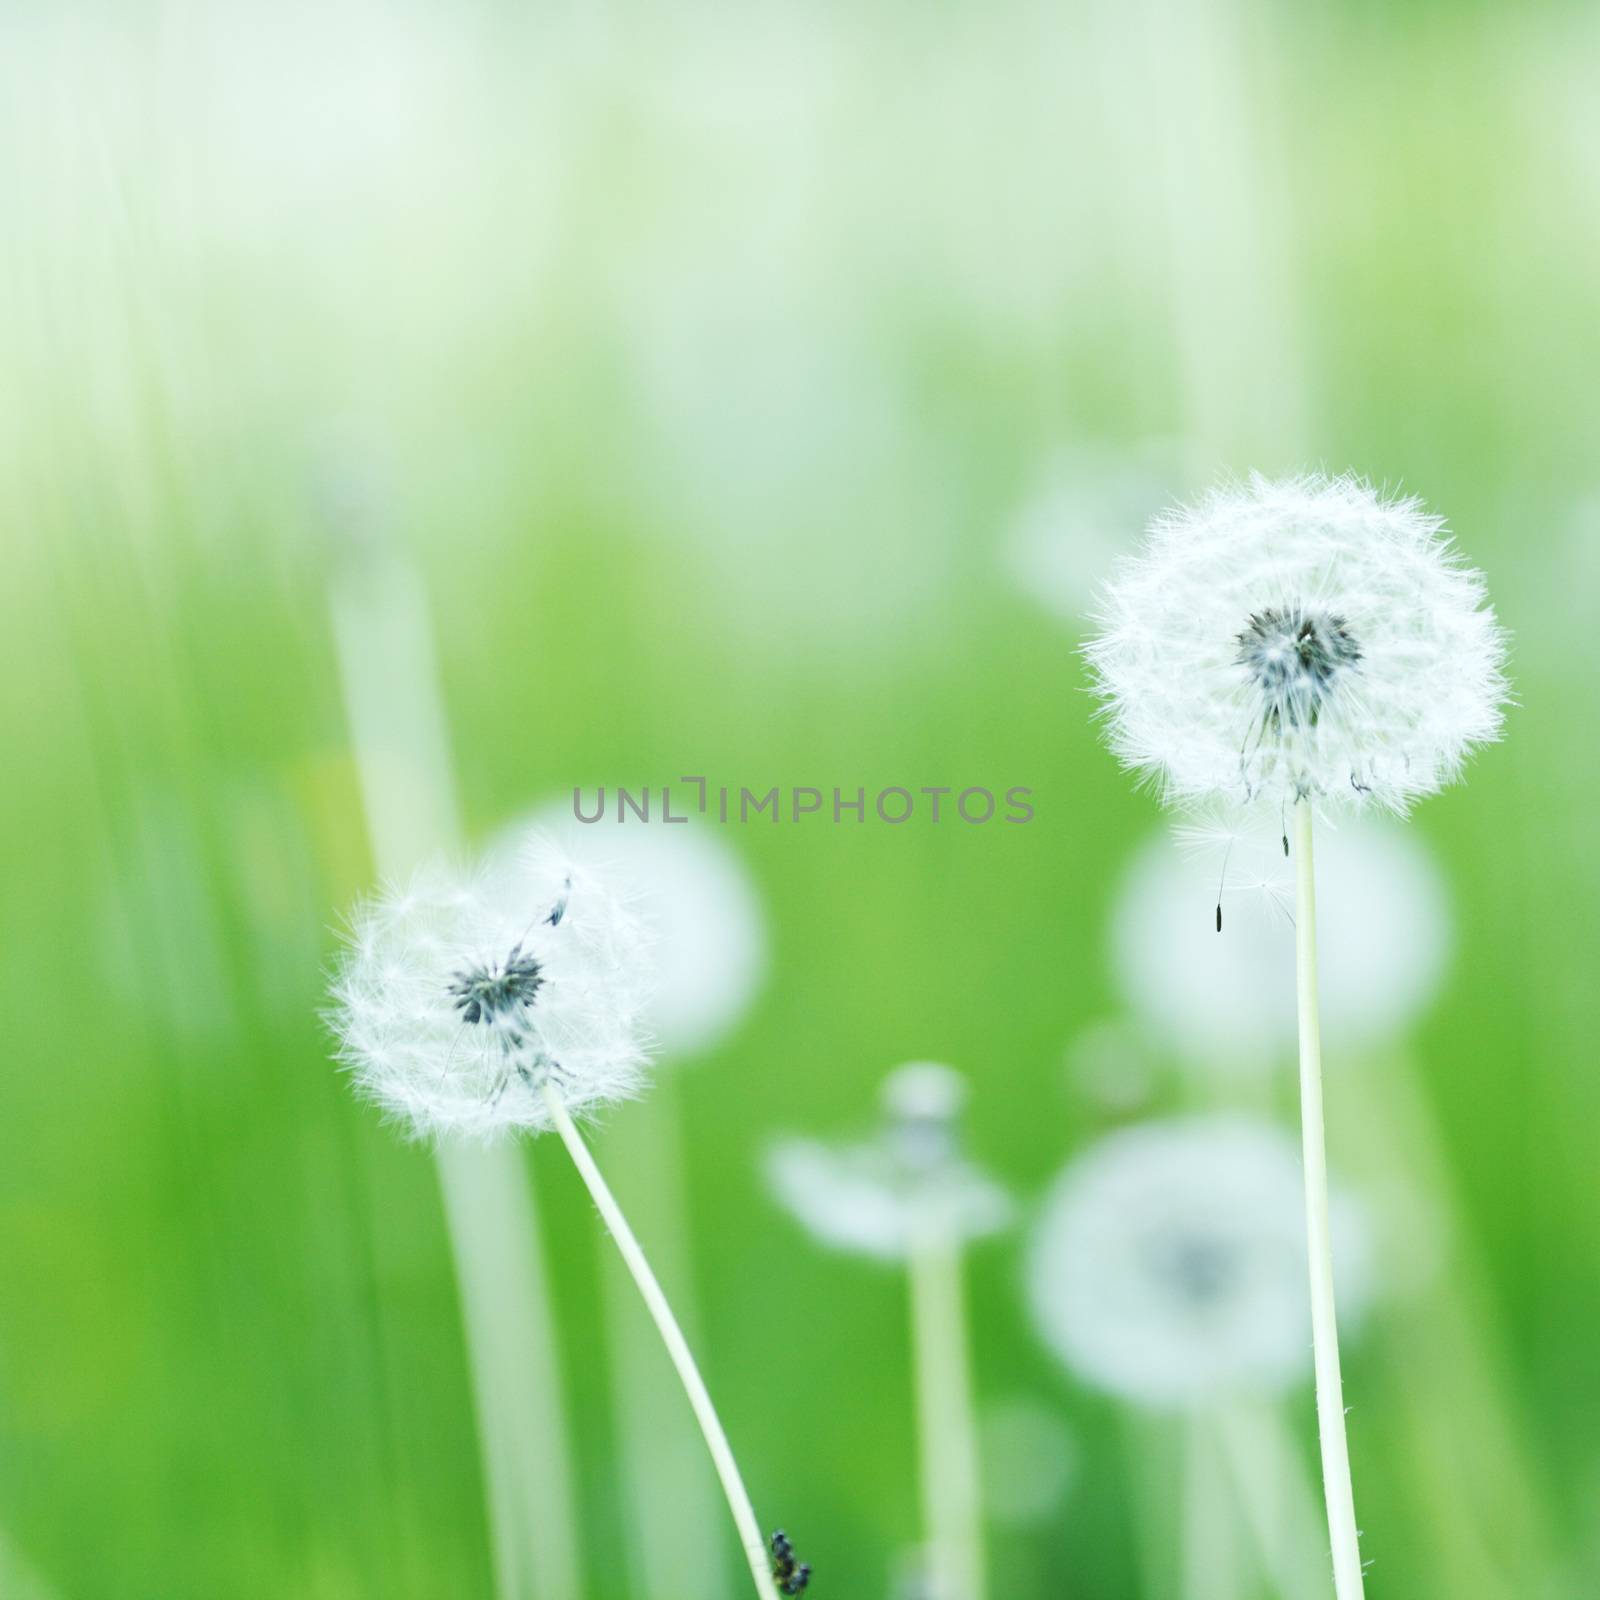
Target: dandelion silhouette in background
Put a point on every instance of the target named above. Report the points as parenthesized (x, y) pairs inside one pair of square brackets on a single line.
[(1075, 521), (1284, 645), (508, 1002), (1168, 1264), (910, 1195)]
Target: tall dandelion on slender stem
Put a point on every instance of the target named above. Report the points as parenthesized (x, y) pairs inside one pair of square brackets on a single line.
[(512, 1001), (909, 1196), (1284, 645)]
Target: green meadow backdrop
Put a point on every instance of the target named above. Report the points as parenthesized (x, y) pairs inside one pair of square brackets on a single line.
[(715, 370)]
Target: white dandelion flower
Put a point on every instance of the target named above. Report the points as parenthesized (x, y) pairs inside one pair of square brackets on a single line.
[(1299, 638), (460, 997), (1169, 1265), (701, 912), (881, 1196), (1225, 997), (511, 1001)]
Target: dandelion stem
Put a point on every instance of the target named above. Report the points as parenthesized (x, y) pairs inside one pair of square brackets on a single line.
[(952, 1520), (1336, 1487), (674, 1522), (744, 1515)]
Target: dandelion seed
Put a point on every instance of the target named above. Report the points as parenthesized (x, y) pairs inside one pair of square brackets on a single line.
[(1169, 1265), (1298, 638)]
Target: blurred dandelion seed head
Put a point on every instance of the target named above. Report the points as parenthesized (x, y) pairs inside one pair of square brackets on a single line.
[(1303, 637), (924, 1091), (700, 912), (910, 1182), (922, 1104), (1169, 1264), (1227, 1000), (461, 996), (1075, 521)]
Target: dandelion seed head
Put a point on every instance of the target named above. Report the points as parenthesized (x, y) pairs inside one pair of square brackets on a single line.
[(1169, 1265), (1294, 638), (461, 995), (911, 1181)]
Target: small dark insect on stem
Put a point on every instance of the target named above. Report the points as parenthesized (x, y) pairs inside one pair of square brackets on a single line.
[(791, 1576)]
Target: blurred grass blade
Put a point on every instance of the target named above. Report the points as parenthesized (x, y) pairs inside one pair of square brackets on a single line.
[(401, 746)]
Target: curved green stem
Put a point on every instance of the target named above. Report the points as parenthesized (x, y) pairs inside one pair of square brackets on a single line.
[(744, 1516)]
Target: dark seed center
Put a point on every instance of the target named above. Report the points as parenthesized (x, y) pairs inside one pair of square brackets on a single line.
[(1294, 656), (1203, 1270), (491, 993)]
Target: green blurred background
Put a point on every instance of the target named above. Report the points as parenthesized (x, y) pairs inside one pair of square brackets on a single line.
[(705, 362)]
